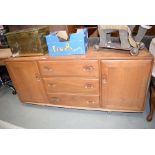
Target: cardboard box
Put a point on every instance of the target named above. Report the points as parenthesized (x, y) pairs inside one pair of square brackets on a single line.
[(76, 44)]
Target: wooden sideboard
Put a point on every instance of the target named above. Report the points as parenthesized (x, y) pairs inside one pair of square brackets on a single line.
[(109, 80)]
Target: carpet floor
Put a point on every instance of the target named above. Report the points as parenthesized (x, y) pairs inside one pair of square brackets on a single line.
[(43, 117)]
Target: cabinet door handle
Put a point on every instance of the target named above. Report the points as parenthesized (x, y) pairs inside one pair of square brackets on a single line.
[(89, 85), (48, 68), (104, 79), (88, 68), (55, 99), (37, 76)]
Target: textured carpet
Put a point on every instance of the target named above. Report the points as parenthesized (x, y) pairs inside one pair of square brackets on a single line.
[(34, 116)]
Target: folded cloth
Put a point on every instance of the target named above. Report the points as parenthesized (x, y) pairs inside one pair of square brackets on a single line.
[(5, 53)]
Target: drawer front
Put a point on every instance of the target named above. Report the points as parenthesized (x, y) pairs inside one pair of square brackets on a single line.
[(71, 85), (74, 100), (69, 68)]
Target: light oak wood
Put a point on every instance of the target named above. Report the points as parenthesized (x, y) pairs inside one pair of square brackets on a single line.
[(75, 100), (125, 83), (116, 80), (79, 107), (103, 54), (27, 81), (71, 85), (87, 68)]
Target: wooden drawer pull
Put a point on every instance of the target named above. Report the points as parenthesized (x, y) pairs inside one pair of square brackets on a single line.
[(48, 68), (89, 85), (91, 102), (88, 68), (54, 99), (51, 85)]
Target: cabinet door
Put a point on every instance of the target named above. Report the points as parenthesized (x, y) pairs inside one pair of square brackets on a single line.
[(27, 81), (125, 84)]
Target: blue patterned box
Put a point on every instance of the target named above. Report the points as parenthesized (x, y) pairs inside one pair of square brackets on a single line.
[(77, 44)]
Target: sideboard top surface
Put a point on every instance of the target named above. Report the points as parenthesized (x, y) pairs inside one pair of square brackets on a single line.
[(91, 54)]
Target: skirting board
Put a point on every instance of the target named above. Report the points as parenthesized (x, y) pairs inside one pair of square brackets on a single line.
[(7, 125)]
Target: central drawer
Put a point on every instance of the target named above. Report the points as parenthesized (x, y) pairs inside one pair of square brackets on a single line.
[(74, 100), (69, 68), (71, 85)]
